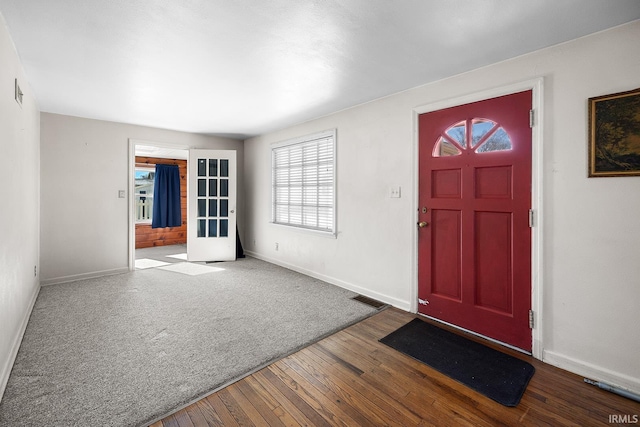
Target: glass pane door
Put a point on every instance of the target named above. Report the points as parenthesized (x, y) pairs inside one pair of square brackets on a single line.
[(211, 230)]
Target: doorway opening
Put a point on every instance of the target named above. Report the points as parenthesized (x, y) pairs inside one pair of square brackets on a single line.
[(155, 246), (201, 222)]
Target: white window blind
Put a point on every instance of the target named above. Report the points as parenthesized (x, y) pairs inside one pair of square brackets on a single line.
[(304, 182)]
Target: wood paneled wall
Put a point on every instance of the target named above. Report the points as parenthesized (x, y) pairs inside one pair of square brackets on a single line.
[(145, 235)]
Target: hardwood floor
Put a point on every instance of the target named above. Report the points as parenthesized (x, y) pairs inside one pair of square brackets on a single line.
[(350, 379)]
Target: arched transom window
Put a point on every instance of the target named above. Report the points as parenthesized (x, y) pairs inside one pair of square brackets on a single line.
[(477, 135)]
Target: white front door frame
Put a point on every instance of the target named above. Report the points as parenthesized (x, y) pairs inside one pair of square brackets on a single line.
[(536, 86)]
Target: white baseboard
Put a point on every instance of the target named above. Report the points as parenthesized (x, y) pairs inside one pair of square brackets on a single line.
[(76, 277), (591, 371), (403, 305), (15, 345)]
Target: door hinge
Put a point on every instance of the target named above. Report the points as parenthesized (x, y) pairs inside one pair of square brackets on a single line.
[(531, 319), (531, 118), (531, 218)]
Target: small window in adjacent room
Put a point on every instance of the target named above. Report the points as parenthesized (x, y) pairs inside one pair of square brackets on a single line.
[(303, 182), (144, 180)]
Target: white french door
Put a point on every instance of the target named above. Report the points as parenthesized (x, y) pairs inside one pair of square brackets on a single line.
[(211, 212)]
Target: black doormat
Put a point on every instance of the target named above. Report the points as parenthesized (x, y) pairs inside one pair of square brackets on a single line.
[(497, 375)]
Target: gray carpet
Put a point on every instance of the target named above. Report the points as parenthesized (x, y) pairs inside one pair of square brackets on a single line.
[(161, 253), (127, 349)]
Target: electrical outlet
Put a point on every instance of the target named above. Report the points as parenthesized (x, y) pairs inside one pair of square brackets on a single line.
[(395, 192), (277, 246), (35, 271)]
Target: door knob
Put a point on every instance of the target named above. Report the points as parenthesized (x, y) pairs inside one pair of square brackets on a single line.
[(423, 224)]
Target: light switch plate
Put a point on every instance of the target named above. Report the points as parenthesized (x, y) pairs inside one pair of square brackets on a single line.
[(121, 194), (395, 192)]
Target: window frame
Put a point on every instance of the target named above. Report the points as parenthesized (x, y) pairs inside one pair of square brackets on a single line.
[(306, 139), (149, 168)]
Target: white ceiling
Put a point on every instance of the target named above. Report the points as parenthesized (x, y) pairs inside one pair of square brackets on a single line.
[(160, 152), (244, 67)]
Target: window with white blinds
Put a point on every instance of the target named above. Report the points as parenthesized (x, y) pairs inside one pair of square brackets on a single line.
[(303, 182)]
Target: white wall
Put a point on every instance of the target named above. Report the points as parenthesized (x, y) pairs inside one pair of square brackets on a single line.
[(19, 204), (83, 165), (590, 270)]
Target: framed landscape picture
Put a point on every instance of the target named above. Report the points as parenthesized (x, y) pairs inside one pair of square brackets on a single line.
[(614, 134)]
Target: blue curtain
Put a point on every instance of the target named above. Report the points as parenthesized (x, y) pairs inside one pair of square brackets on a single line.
[(166, 197)]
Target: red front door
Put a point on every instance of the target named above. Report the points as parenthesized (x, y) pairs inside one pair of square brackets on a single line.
[(474, 244)]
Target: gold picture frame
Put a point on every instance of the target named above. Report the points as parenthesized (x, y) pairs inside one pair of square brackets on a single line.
[(614, 134)]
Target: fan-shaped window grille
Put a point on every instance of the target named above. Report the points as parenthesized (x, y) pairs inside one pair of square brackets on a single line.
[(479, 135)]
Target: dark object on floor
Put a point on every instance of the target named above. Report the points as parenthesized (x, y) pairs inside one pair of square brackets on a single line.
[(497, 375), (239, 249)]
